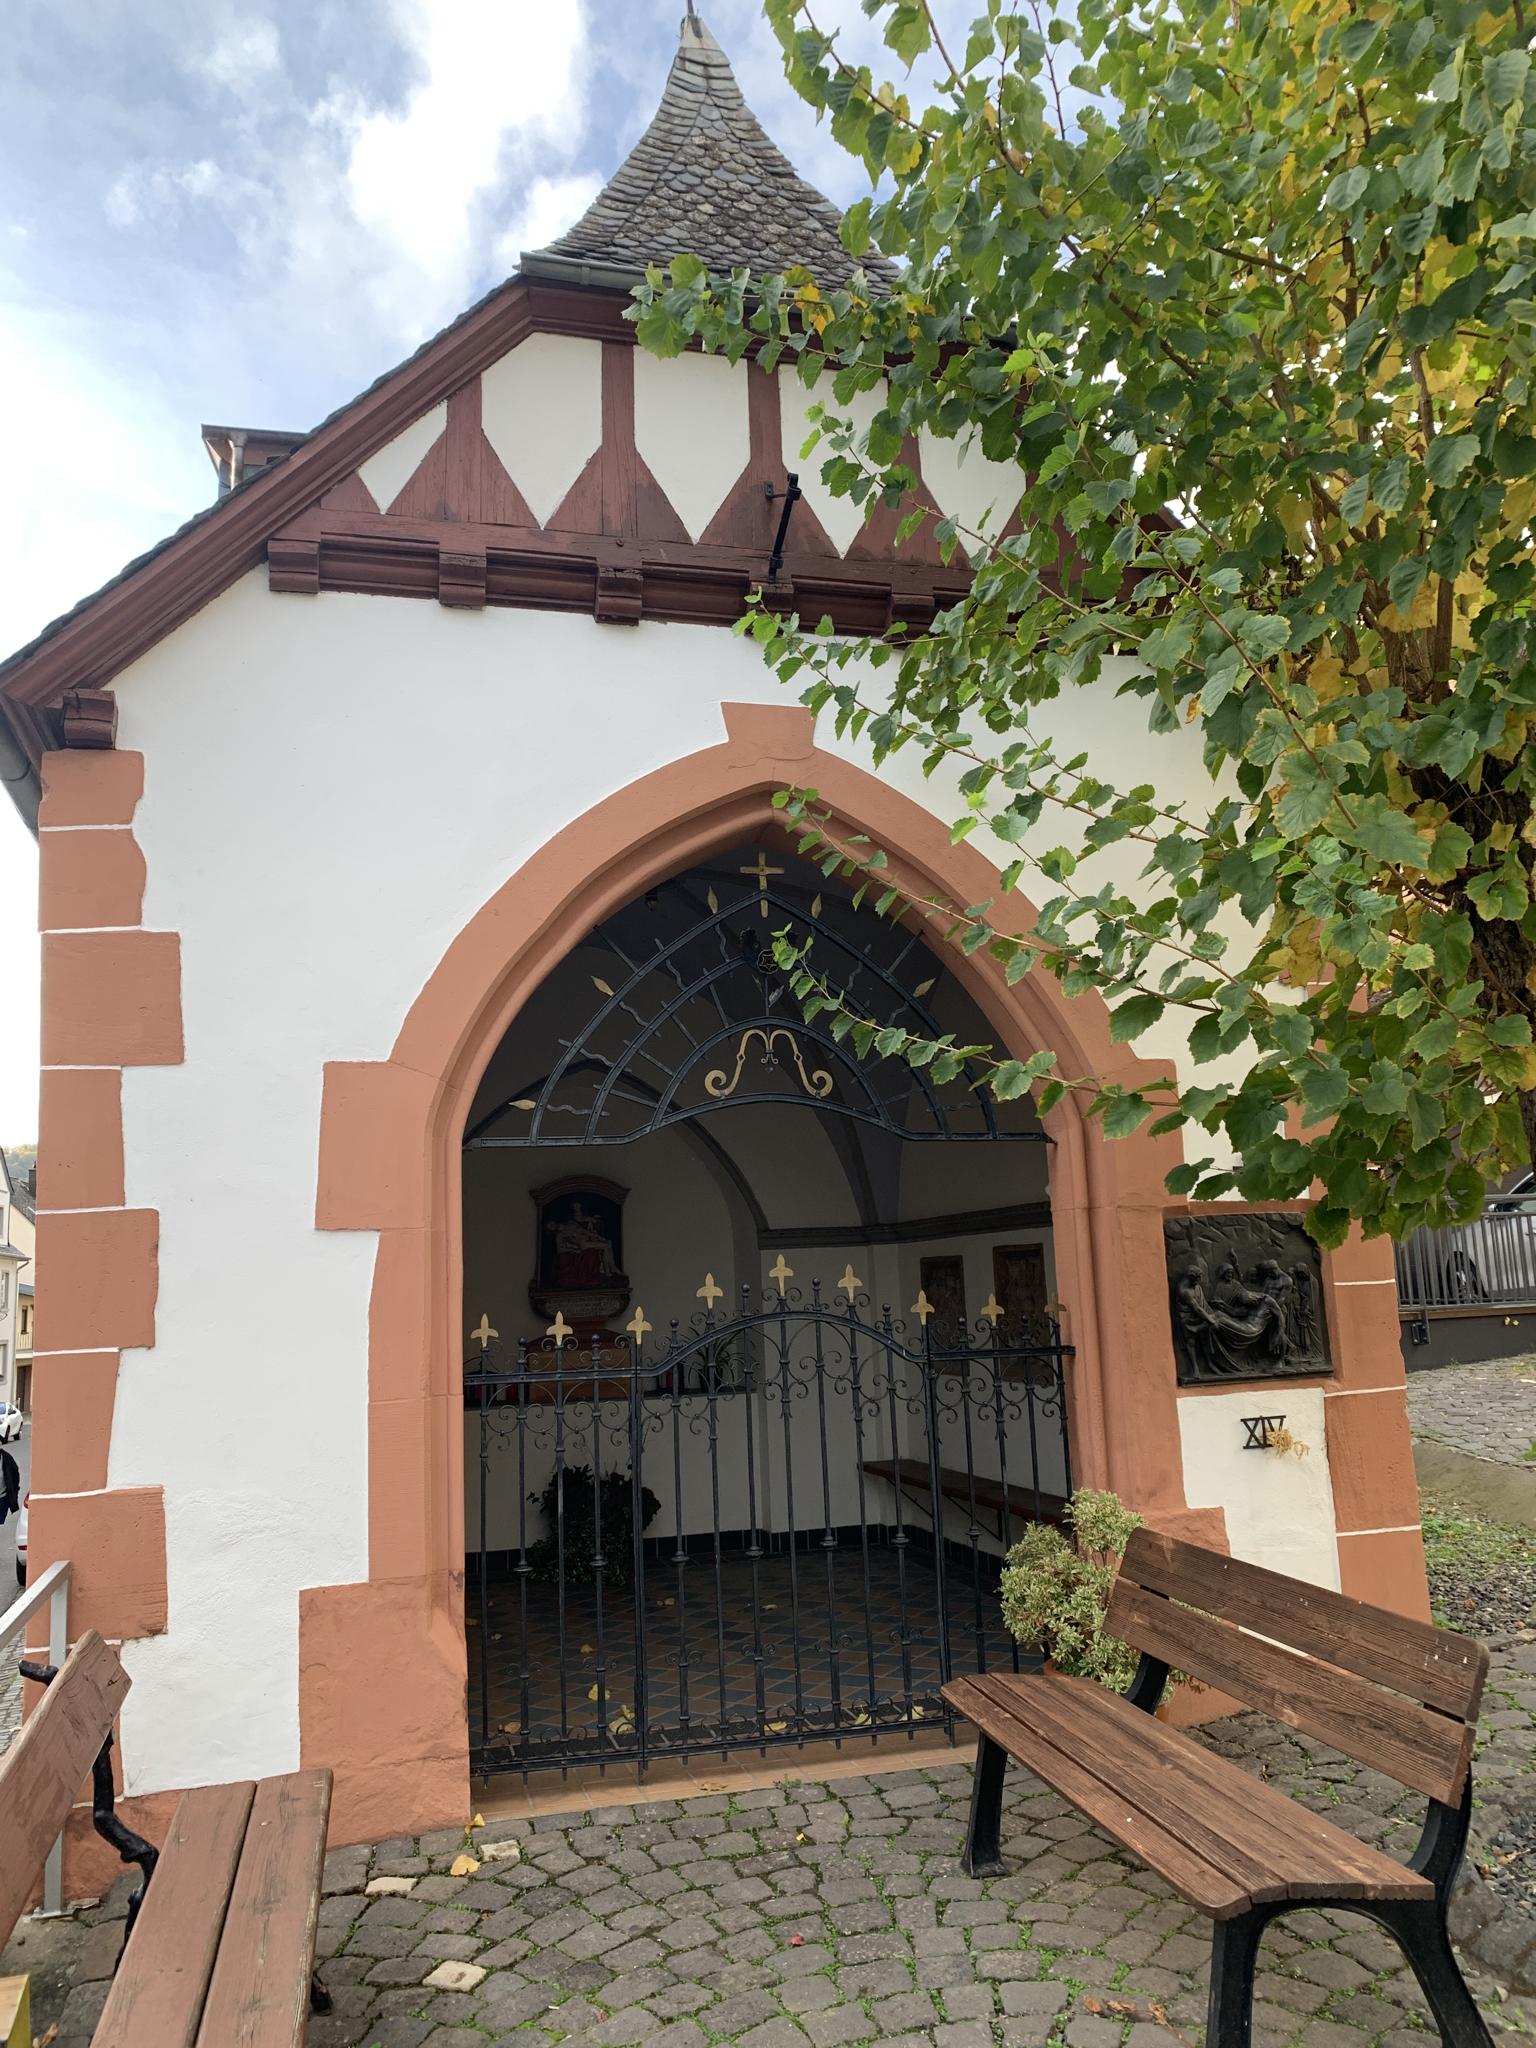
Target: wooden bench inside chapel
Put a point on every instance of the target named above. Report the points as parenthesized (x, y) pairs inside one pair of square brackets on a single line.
[(1017, 1500), (1390, 1692), (220, 1943)]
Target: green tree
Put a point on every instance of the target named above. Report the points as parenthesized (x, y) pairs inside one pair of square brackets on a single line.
[(1244, 291)]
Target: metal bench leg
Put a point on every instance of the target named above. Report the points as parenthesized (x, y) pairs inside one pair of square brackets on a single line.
[(983, 1842), (1234, 1958), (1420, 1932)]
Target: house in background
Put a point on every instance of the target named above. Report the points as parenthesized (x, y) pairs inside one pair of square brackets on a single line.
[(23, 1234), (16, 1236), (662, 1381)]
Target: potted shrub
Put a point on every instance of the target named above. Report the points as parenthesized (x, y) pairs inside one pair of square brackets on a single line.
[(578, 1552), (1055, 1590)]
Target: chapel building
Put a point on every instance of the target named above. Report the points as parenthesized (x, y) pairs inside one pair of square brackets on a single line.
[(484, 1329)]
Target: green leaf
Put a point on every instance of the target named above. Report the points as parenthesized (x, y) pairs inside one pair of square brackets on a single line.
[(1347, 189), (1449, 455), (1125, 1114), (854, 232), (1386, 832), (1504, 77), (1129, 1019), (1406, 579)]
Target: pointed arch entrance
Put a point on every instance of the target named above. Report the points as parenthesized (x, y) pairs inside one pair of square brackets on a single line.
[(391, 1133), (735, 1478)]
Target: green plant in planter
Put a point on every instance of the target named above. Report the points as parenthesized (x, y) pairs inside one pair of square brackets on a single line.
[(579, 1552), (1055, 1591)]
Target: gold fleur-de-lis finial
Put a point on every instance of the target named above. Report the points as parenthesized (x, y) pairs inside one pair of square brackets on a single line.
[(638, 1327), (779, 1272), (483, 1333), (850, 1282), (922, 1308), (992, 1309), (559, 1329), (709, 1293)]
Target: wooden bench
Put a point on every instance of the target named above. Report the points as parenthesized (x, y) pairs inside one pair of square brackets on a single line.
[(1018, 1501), (220, 1943), (1395, 1694)]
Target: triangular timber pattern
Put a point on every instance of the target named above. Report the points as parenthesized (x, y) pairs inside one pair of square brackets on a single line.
[(462, 530)]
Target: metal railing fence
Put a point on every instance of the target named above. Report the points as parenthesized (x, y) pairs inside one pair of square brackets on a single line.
[(1487, 1264), (51, 1591)]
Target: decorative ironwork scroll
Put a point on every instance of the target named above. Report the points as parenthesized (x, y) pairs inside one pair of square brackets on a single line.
[(719, 1084), (1246, 1293), (705, 1021)]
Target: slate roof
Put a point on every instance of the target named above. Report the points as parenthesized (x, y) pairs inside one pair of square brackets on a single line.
[(705, 179)]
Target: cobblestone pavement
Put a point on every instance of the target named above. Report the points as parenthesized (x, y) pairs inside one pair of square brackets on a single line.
[(1488, 1411), (820, 1915)]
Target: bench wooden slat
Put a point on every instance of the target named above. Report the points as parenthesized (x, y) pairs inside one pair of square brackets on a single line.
[(1410, 1742), (1197, 1880), (1039, 1706), (156, 2000), (259, 1994), (45, 1767), (1303, 1850), (1433, 1665)]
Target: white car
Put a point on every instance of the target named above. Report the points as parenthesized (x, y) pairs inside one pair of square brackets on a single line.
[(21, 1541), (11, 1420)]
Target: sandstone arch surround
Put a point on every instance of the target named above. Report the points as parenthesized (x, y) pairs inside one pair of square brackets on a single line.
[(382, 1662)]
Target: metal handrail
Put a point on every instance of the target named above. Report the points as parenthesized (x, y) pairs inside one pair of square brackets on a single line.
[(51, 1591)]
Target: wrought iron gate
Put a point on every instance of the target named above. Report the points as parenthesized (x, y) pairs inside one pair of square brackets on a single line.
[(768, 1527)]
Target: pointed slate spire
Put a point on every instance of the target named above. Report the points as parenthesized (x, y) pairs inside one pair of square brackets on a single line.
[(704, 178)]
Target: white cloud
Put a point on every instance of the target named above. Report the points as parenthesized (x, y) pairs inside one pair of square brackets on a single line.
[(493, 75), (99, 469), (241, 52), (144, 192), (550, 206)]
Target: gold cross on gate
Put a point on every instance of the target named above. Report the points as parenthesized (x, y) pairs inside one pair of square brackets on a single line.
[(483, 1333), (850, 1282), (559, 1329), (638, 1327), (760, 875), (922, 1308), (709, 1293), (779, 1272), (992, 1309)]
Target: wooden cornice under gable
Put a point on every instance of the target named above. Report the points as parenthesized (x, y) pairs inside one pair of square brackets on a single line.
[(460, 530), (154, 595)]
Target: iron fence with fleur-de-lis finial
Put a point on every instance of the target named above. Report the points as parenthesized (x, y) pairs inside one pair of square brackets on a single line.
[(778, 1520)]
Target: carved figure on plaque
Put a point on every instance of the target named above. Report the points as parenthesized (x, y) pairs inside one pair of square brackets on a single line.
[(1244, 1295)]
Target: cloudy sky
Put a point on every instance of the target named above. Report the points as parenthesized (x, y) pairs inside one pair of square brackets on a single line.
[(244, 213)]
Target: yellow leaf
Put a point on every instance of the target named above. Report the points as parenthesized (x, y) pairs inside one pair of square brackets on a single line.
[(601, 986), (478, 1821), (775, 1727), (463, 1866), (592, 1692)]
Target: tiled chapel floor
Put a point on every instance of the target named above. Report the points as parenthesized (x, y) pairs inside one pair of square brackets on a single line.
[(720, 1656)]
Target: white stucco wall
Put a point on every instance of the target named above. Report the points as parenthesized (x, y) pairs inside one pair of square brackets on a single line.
[(1279, 1509), (334, 786)]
